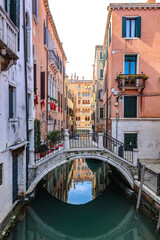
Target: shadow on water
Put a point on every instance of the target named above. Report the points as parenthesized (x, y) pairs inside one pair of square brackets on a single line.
[(108, 217)]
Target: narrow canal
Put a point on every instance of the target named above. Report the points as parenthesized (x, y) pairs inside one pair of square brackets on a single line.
[(80, 201)]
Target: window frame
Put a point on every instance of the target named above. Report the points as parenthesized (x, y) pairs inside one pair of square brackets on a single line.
[(124, 107), (13, 102), (131, 133), (101, 70), (137, 63), (1, 174)]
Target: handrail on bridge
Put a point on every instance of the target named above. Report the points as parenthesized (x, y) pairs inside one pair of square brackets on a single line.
[(80, 139)]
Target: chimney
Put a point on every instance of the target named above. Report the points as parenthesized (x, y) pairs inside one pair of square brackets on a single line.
[(151, 1), (75, 76), (72, 77), (83, 78)]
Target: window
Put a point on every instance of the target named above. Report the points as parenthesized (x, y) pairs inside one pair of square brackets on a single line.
[(29, 105), (79, 86), (79, 101), (12, 102), (1, 176), (79, 94), (45, 32), (28, 42), (101, 73), (100, 95), (130, 141), (101, 58), (130, 64), (131, 27), (130, 107), (101, 112), (35, 9), (42, 85)]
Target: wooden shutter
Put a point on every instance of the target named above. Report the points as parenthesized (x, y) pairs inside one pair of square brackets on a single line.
[(130, 107), (42, 85), (35, 77), (110, 35), (10, 102), (34, 6), (106, 50), (123, 26), (138, 27), (15, 12), (6, 6), (44, 32), (46, 35), (36, 9)]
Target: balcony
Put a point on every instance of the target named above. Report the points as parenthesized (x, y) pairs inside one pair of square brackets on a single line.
[(53, 61), (8, 41), (131, 81)]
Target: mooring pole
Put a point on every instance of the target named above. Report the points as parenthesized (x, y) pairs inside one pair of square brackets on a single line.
[(140, 188), (158, 223)]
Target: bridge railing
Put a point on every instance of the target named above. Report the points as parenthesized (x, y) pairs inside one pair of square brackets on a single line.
[(118, 148), (48, 147), (82, 139)]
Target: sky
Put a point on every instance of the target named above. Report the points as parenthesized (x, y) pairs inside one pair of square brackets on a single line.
[(81, 26)]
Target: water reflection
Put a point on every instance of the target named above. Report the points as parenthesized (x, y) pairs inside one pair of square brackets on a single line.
[(78, 182), (108, 217)]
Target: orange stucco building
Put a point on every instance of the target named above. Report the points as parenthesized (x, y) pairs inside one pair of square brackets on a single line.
[(83, 101), (131, 53), (49, 69)]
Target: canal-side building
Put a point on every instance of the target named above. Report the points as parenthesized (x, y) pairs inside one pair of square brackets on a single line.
[(16, 96), (49, 69), (83, 104), (131, 53), (98, 87)]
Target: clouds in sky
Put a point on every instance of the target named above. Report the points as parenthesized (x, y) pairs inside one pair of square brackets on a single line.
[(81, 26)]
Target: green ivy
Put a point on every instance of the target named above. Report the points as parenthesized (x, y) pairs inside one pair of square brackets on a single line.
[(37, 134)]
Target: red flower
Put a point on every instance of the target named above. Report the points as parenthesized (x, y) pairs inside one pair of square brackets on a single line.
[(59, 109), (43, 103)]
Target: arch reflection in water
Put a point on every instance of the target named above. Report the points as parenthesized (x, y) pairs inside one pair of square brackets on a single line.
[(78, 182), (110, 216)]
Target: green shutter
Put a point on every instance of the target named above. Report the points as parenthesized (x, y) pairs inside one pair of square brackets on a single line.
[(104, 60), (138, 27), (42, 85), (15, 12), (123, 26), (130, 107), (130, 141), (37, 9), (106, 50), (10, 102), (110, 35), (6, 6)]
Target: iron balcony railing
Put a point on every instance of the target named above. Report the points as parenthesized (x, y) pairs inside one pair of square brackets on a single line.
[(131, 81)]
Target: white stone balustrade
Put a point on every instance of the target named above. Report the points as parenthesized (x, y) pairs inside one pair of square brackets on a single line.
[(100, 140), (8, 31)]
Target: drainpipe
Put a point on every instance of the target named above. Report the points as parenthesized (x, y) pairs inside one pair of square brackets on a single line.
[(26, 92), (47, 75)]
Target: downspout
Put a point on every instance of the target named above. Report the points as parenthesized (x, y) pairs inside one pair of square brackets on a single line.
[(47, 76), (26, 92)]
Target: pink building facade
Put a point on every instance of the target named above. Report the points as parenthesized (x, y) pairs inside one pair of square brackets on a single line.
[(131, 53)]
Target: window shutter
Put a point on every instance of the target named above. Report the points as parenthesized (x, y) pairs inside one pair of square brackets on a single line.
[(36, 9), (44, 32), (46, 35), (110, 35), (34, 6), (123, 26), (98, 94), (35, 77), (10, 102), (130, 107), (15, 12), (106, 50), (138, 27), (6, 6), (42, 85)]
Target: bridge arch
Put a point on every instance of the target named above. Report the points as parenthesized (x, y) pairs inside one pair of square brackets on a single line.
[(64, 158)]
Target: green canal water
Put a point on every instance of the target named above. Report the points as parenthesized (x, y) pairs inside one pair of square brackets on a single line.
[(78, 201)]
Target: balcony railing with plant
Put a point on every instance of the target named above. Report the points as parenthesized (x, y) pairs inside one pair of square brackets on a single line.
[(131, 81)]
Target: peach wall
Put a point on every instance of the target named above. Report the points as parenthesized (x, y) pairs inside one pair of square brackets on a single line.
[(148, 48)]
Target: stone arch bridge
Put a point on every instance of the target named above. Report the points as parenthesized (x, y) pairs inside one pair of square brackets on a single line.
[(85, 144)]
